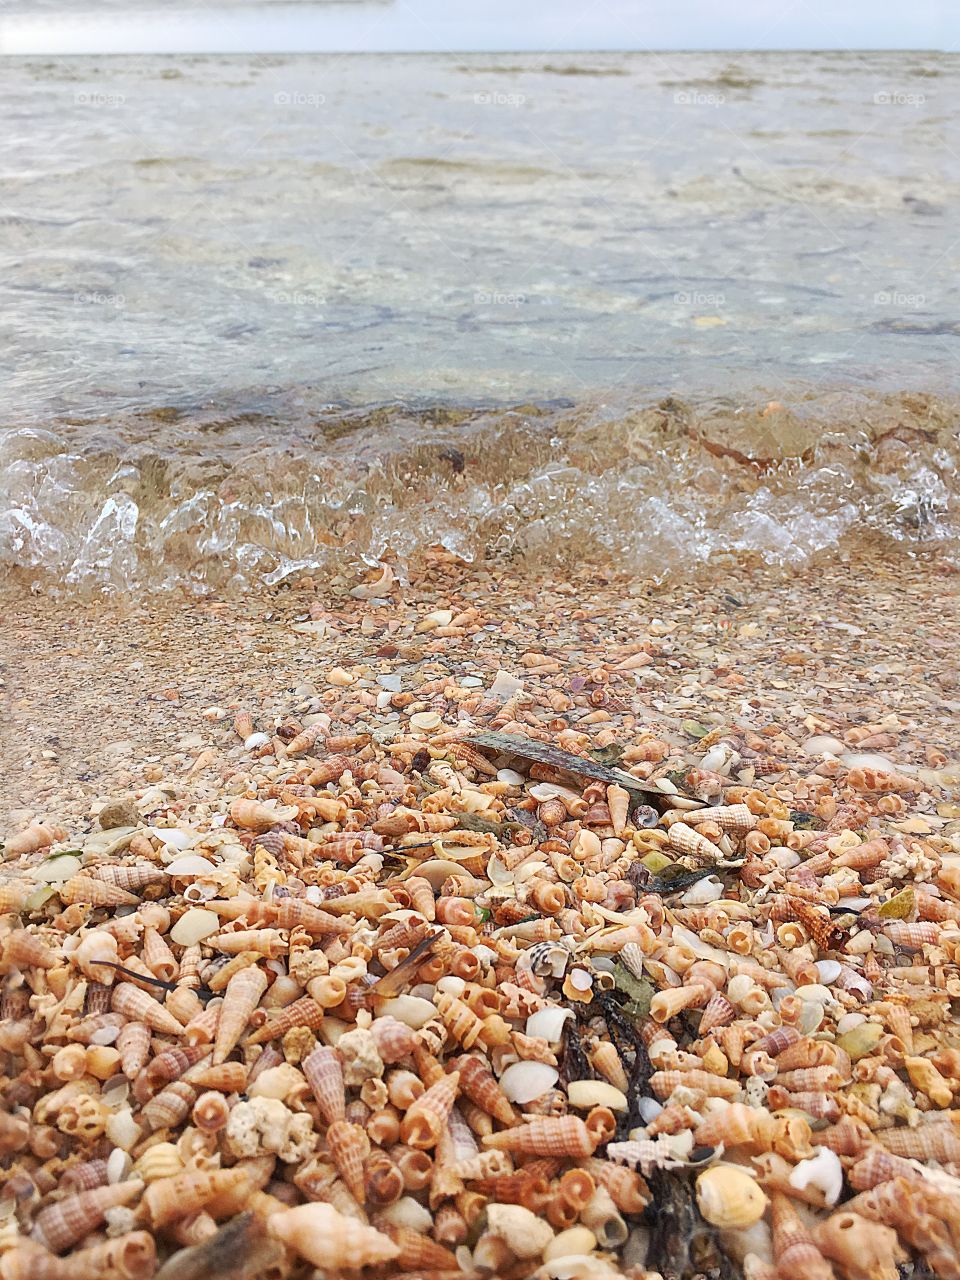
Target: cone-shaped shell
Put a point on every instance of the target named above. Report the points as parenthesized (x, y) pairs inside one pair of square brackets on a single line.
[(618, 802), (139, 876), (329, 1239), (140, 1007), (25, 950), (718, 1012), (426, 1120), (418, 1252), (96, 892), (133, 1045), (184, 1194), (691, 843), (349, 1147), (478, 1084), (254, 816), (62, 1224), (737, 1125), (227, 1077), (33, 838), (170, 1106), (324, 1075), (129, 1257), (798, 1258), (244, 992), (557, 1136), (304, 1012)]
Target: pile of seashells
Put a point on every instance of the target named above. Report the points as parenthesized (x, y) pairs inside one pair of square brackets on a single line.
[(456, 1007)]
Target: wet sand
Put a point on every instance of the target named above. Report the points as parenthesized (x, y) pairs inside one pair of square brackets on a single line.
[(103, 698)]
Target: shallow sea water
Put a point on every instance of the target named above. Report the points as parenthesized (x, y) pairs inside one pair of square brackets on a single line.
[(273, 312)]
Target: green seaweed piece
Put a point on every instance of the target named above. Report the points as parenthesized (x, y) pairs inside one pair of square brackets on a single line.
[(694, 729), (609, 755), (638, 990)]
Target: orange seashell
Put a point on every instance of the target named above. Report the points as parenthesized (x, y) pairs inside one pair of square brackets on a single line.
[(798, 1257), (477, 1082), (168, 1199), (244, 992), (264, 942), (98, 893), (330, 1240), (302, 743), (383, 1181), (349, 1147), (254, 816), (861, 1248), (243, 724), (418, 1252), (626, 1188), (140, 1007), (922, 1214), (33, 838), (129, 1257), (663, 1083), (226, 1077), (133, 1045), (170, 1106), (737, 1125), (545, 1136), (62, 1224), (26, 950), (324, 1074), (426, 1119), (304, 1012)]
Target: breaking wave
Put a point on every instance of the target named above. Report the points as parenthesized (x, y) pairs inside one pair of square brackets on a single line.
[(204, 500)]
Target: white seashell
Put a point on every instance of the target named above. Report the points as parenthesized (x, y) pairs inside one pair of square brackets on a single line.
[(105, 1035), (580, 979), (505, 686), (812, 1014), (450, 984), (408, 1212), (56, 869), (575, 1242), (709, 889), (524, 1081), (814, 991), (595, 1093), (256, 740), (575, 1266), (436, 870), (414, 1012), (649, 1109), (871, 760), (719, 759), (823, 1171), (174, 837), (425, 720), (849, 1021), (666, 786), (547, 1024), (122, 1130), (193, 926), (497, 873), (190, 864), (541, 791), (822, 744), (829, 970), (119, 1165), (511, 777)]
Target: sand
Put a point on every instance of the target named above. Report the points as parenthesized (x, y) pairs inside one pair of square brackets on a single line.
[(104, 697)]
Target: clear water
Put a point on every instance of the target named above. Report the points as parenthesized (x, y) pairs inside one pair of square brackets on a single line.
[(262, 312)]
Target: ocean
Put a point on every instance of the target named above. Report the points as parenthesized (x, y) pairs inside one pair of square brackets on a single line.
[(271, 313)]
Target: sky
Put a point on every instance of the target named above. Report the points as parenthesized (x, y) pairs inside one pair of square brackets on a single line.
[(202, 26)]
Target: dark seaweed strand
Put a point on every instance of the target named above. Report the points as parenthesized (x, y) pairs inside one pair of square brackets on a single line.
[(627, 1041), (204, 993), (574, 1063)]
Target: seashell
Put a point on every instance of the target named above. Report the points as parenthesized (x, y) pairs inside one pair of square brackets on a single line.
[(349, 1146), (128, 1257), (584, 1094), (727, 1196), (324, 1074), (26, 950), (169, 1199), (32, 839), (133, 1045), (243, 994), (162, 1160), (690, 843), (478, 1084), (137, 1006), (524, 1081), (547, 1024), (253, 816), (60, 1225), (170, 1106), (329, 1240), (864, 1250), (601, 1216), (96, 892), (425, 1120), (304, 1012), (524, 1234), (545, 1136), (210, 1112), (823, 1171), (798, 1257), (194, 925)]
